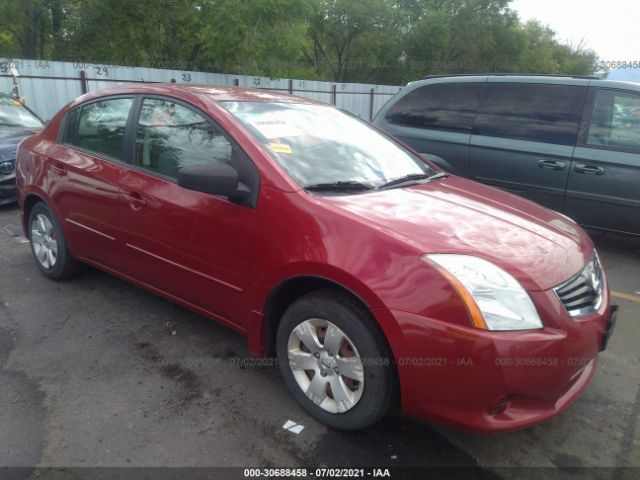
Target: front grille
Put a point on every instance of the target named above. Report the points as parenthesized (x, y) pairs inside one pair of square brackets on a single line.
[(582, 293)]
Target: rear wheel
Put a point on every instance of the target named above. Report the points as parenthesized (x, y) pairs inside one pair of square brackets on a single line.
[(48, 244), (335, 360)]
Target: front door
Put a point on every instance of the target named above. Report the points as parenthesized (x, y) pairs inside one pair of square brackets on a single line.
[(524, 138), (191, 245), (437, 120)]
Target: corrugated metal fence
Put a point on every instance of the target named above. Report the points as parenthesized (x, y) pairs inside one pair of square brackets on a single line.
[(47, 86)]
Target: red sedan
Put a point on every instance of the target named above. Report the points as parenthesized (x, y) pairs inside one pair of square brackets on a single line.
[(374, 277)]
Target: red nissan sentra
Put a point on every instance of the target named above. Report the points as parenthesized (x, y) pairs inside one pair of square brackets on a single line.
[(374, 277)]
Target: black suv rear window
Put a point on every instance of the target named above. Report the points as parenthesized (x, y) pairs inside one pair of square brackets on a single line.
[(533, 112), (441, 106)]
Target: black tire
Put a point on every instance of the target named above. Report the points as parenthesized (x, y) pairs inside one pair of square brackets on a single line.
[(65, 266), (354, 319)]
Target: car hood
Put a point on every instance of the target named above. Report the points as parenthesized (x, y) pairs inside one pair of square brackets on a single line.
[(539, 247), (9, 140)]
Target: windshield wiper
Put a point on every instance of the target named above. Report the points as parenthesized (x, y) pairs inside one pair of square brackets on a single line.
[(413, 177), (345, 185)]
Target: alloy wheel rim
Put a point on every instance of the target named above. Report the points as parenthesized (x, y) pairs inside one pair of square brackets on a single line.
[(43, 239), (326, 365)]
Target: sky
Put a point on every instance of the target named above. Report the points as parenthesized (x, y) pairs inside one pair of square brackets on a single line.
[(610, 27)]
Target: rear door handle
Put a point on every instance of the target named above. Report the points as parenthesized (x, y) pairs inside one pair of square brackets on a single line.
[(588, 169), (551, 164), (135, 200), (58, 170)]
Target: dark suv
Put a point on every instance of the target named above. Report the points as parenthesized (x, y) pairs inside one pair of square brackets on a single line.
[(569, 143)]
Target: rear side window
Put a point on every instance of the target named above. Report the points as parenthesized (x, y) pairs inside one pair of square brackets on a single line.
[(170, 136), (615, 122), (441, 106), (533, 112), (99, 126)]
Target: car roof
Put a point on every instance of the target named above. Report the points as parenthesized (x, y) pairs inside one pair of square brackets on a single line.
[(586, 80), (218, 93), (583, 77)]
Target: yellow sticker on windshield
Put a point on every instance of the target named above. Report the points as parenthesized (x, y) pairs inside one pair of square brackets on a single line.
[(16, 102), (280, 148)]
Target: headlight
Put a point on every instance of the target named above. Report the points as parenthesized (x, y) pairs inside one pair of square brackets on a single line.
[(495, 299)]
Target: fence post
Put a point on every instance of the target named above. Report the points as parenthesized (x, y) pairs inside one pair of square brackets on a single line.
[(371, 99), (84, 85), (290, 86), (334, 95)]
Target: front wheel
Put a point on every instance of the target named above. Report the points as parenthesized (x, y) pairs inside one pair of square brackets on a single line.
[(335, 360)]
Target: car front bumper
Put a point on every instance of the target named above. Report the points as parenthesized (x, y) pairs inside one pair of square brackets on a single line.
[(491, 382), (8, 191)]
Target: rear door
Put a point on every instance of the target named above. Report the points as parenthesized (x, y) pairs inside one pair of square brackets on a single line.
[(88, 166), (436, 119), (524, 137), (604, 182)]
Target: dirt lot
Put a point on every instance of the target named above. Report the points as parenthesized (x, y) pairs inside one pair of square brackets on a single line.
[(90, 375)]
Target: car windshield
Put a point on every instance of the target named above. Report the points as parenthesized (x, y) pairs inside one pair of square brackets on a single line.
[(14, 115), (322, 146)]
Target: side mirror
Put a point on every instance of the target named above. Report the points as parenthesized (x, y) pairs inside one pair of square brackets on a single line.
[(214, 178)]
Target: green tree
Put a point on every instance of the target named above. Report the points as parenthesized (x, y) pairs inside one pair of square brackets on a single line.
[(353, 40), (261, 37), (253, 37), (26, 28), (376, 41)]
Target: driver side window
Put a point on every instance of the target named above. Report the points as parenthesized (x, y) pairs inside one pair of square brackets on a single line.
[(170, 136)]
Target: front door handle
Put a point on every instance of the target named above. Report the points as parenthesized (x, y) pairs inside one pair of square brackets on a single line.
[(551, 164), (588, 169), (135, 200)]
